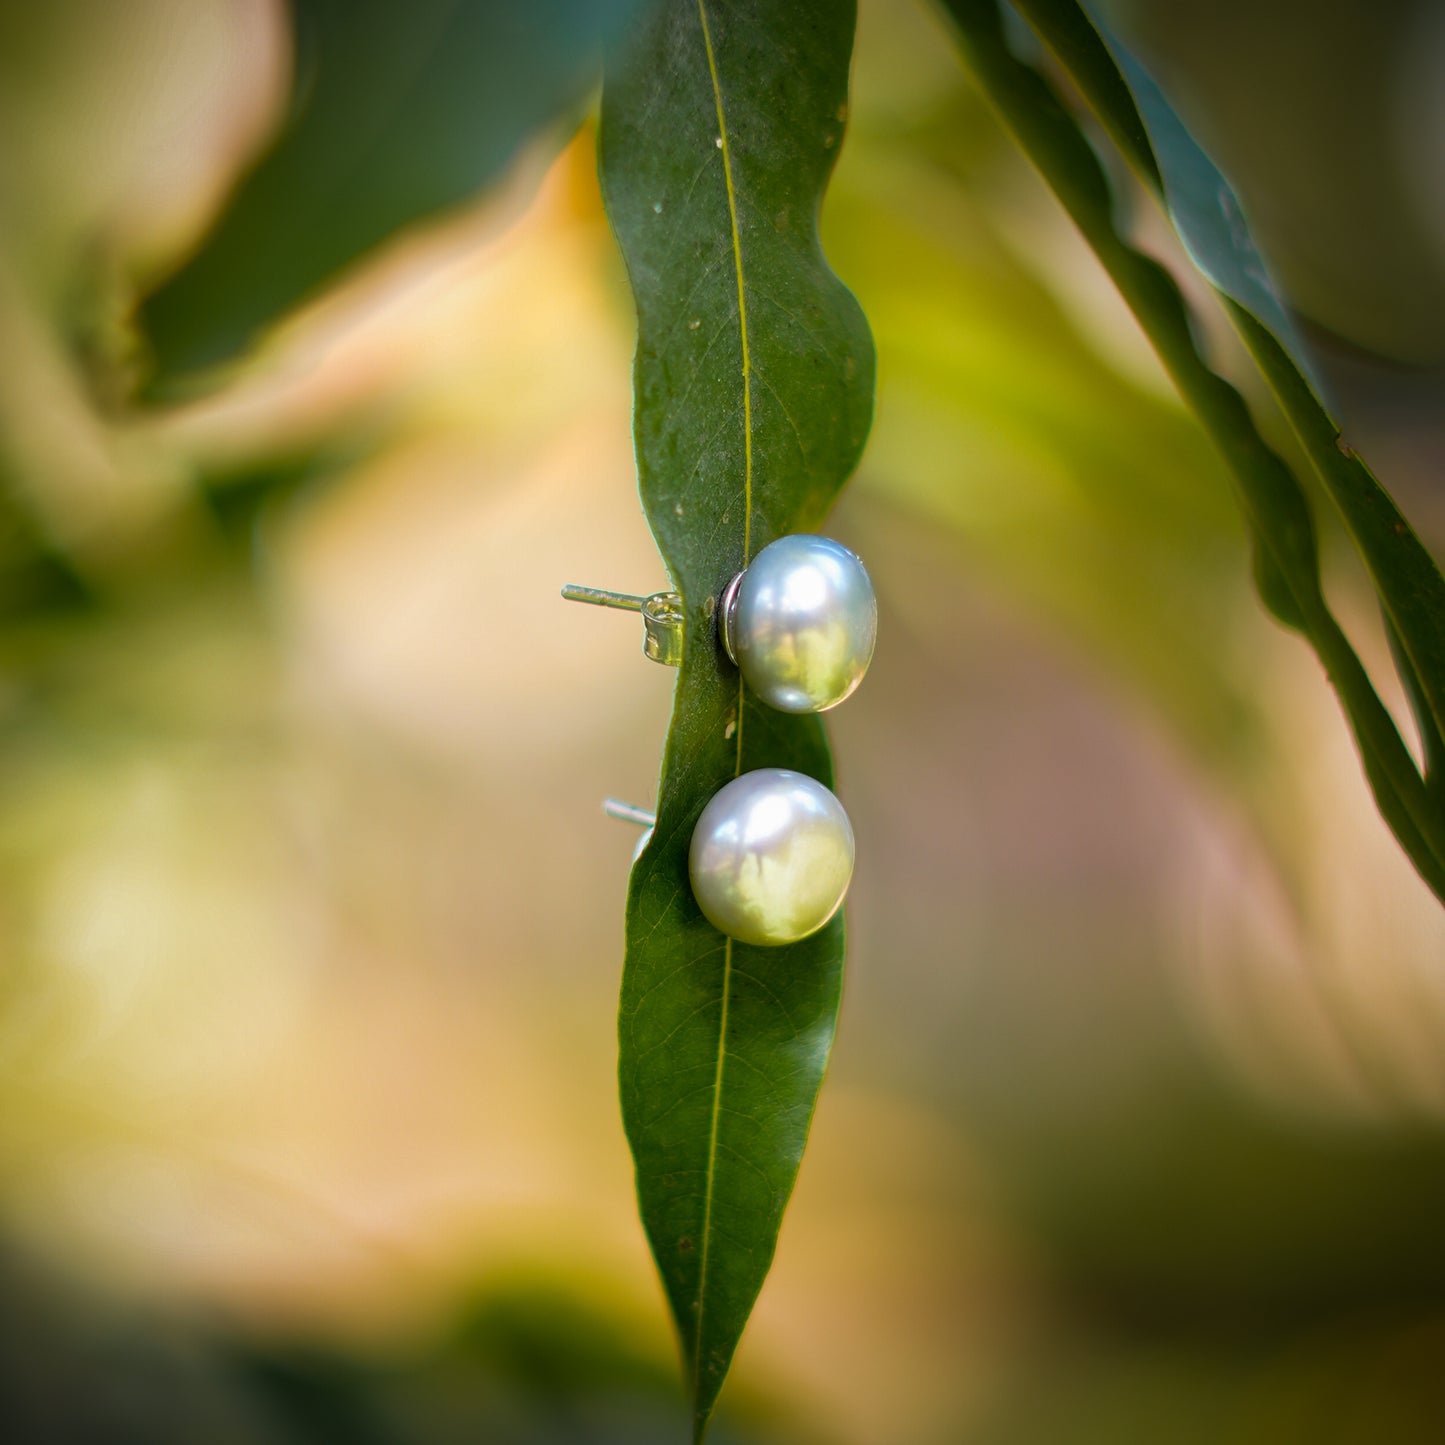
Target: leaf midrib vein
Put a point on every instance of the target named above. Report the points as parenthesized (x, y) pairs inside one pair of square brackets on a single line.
[(709, 1178)]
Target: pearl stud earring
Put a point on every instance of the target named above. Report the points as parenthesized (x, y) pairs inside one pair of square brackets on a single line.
[(771, 857), (801, 623)]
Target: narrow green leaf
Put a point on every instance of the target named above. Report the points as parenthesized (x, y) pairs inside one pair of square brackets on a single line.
[(1432, 743), (399, 111), (1274, 505), (753, 394), (1210, 222), (1405, 575)]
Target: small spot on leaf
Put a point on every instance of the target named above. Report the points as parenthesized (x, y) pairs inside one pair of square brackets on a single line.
[(828, 140), (694, 323), (717, 141), (657, 207), (685, 1245), (730, 729)]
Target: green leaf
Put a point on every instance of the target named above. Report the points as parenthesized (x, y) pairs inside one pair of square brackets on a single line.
[(1405, 575), (1432, 743), (399, 111), (1201, 203), (1273, 503), (753, 394), (1210, 222)]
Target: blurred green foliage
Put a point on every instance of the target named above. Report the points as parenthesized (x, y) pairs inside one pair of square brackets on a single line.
[(528, 1364), (397, 113)]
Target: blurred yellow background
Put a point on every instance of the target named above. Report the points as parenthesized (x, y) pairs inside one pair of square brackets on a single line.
[(310, 922)]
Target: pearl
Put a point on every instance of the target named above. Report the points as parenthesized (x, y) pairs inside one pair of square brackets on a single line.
[(801, 623), (771, 857)]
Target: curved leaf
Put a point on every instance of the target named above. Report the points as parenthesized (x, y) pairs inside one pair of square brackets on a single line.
[(399, 111), (1274, 504), (753, 395), (1211, 224)]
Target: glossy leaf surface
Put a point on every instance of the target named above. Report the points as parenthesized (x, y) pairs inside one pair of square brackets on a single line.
[(721, 121), (398, 111), (1274, 504)]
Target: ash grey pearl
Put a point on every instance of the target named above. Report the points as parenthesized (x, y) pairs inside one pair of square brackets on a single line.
[(771, 857), (801, 623)]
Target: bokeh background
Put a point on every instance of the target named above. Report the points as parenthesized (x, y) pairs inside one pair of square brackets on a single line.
[(310, 922)]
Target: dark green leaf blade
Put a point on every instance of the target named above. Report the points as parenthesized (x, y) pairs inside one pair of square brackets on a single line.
[(1211, 224), (1274, 504), (399, 111), (753, 395), (1406, 577), (1432, 742)]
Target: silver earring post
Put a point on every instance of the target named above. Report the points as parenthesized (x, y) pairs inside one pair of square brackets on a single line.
[(662, 618), (631, 813), (628, 813)]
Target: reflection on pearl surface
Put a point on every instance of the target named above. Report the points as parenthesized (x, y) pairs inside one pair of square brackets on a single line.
[(771, 857), (801, 623)]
